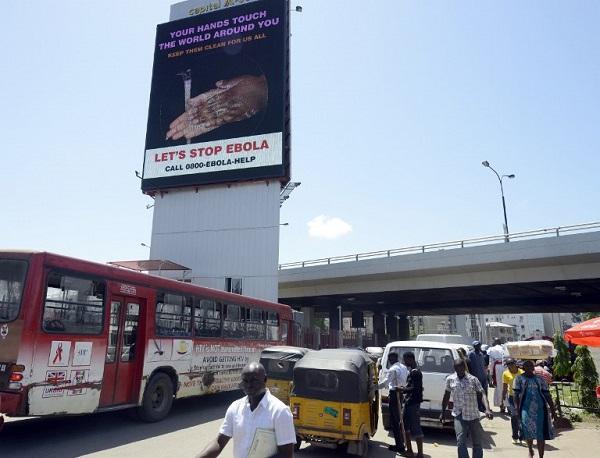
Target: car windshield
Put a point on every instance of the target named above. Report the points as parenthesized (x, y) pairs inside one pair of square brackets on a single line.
[(428, 359), (12, 280)]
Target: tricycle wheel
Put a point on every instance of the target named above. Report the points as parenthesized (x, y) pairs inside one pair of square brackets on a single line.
[(364, 445)]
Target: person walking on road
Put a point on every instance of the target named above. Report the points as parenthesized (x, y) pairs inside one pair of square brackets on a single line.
[(412, 403), (259, 409), (467, 392), (508, 378), (497, 368), (396, 378), (532, 399), (477, 367), (542, 372)]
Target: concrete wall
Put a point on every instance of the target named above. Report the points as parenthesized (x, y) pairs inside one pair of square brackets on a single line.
[(221, 231)]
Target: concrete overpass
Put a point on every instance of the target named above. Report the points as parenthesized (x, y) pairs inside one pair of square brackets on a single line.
[(548, 270)]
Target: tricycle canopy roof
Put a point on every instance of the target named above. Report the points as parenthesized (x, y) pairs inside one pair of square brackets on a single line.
[(340, 375), (339, 359)]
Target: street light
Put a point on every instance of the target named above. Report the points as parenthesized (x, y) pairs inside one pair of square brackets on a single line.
[(500, 178), (144, 245), (341, 328)]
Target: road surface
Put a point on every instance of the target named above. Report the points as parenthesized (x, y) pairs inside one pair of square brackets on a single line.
[(193, 422)]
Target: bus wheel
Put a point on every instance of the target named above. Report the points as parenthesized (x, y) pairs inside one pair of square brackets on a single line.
[(158, 398), (298, 444)]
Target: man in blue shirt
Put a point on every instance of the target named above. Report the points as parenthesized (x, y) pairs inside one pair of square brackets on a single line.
[(477, 368)]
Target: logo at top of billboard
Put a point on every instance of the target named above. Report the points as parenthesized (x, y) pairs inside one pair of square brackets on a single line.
[(195, 7), (219, 98)]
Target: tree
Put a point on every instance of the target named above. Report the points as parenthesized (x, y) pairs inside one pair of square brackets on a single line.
[(586, 377), (562, 361), (590, 315)]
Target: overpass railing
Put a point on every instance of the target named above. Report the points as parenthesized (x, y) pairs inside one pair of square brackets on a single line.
[(526, 235)]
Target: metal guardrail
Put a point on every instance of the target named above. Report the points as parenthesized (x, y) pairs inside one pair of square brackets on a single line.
[(533, 234), (567, 395)]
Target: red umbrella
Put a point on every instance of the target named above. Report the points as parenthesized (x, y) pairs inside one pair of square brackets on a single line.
[(586, 333)]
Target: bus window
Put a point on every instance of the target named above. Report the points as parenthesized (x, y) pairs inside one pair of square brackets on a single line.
[(73, 305), (207, 318), (12, 279), (255, 325), (113, 331), (173, 315), (233, 324), (130, 332), (272, 326)]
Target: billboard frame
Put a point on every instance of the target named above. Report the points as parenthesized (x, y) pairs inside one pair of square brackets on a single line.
[(280, 172)]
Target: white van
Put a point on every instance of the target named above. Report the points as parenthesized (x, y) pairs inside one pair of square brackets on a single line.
[(436, 361), (447, 338)]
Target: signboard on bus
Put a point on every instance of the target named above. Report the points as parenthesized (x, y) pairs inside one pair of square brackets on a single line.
[(219, 101)]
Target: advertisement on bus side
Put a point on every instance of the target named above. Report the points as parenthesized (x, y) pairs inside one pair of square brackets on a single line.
[(219, 103)]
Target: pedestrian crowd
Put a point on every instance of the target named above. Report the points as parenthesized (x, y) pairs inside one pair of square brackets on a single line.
[(521, 388)]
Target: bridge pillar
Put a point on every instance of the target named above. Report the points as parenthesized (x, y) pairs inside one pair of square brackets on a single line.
[(379, 329), (309, 316), (334, 319), (403, 327), (391, 324)]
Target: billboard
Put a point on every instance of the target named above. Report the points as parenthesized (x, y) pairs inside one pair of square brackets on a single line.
[(219, 100), (195, 7)]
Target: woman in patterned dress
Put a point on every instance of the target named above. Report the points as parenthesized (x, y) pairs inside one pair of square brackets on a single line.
[(532, 399)]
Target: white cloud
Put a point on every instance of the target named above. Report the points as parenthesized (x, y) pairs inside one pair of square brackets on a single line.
[(325, 227)]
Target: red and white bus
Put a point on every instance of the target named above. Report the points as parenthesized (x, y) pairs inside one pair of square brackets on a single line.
[(80, 337)]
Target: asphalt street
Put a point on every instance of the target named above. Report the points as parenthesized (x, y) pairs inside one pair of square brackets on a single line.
[(194, 422)]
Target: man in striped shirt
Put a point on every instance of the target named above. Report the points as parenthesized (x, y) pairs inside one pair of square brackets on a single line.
[(466, 391)]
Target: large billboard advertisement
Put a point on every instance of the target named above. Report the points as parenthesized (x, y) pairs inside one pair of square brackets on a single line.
[(219, 101)]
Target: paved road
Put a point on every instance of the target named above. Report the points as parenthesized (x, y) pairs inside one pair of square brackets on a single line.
[(193, 422)]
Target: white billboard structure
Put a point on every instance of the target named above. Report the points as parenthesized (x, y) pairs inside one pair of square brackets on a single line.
[(218, 214)]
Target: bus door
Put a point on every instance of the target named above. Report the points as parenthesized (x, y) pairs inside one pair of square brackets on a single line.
[(124, 352)]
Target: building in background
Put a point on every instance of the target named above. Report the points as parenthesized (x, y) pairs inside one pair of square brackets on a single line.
[(504, 332), (526, 325), (554, 322)]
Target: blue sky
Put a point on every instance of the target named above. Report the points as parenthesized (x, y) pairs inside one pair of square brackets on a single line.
[(394, 106)]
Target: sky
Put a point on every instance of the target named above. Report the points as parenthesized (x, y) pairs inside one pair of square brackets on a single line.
[(395, 104)]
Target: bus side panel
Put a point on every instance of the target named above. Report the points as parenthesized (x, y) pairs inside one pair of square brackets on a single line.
[(67, 369), (203, 366), (67, 374)]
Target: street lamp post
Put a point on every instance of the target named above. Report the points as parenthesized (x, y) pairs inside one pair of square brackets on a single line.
[(341, 328), (500, 178)]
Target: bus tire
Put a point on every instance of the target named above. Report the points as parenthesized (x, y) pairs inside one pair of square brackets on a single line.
[(158, 398), (298, 443)]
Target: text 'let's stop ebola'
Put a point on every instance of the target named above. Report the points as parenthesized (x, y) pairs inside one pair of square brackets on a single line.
[(211, 151)]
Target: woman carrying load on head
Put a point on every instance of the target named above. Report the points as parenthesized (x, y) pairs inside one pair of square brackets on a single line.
[(532, 399)]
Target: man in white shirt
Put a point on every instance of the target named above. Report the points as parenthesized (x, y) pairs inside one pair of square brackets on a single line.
[(396, 376), (259, 409), (497, 368)]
